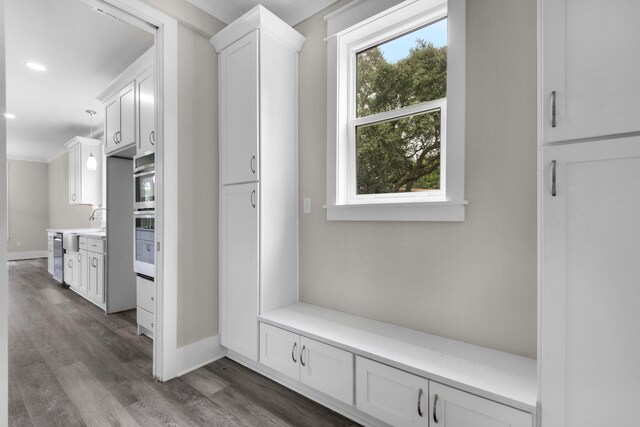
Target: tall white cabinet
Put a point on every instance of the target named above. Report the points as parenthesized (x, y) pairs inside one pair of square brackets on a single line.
[(590, 204), (258, 68)]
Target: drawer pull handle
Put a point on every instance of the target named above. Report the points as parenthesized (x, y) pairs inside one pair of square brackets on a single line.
[(302, 356), (252, 164), (435, 408), (553, 178), (420, 403), (553, 109), (293, 350), (253, 198)]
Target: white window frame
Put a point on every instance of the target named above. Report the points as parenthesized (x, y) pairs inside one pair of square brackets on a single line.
[(353, 29)]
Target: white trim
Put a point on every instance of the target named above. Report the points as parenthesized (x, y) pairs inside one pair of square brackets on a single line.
[(302, 10), (335, 405), (354, 13), (200, 353), (219, 9), (145, 61), (14, 256), (28, 159), (4, 289), (370, 30)]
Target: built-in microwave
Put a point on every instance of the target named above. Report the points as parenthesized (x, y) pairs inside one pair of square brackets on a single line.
[(144, 177), (145, 242)]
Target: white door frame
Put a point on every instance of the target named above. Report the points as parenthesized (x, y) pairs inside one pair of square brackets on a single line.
[(4, 291), (166, 316)]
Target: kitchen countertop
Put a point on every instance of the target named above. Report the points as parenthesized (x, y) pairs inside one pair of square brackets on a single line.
[(84, 232), (93, 234)]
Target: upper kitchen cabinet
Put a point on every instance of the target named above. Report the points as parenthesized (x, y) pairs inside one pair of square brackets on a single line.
[(85, 186), (130, 108), (145, 87), (120, 119), (590, 65)]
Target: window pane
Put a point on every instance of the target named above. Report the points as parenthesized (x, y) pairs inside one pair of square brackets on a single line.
[(405, 71), (401, 155)]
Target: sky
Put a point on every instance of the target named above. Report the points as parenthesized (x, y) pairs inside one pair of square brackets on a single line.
[(397, 49)]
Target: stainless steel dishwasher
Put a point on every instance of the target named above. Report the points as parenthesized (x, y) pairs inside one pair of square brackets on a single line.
[(58, 255)]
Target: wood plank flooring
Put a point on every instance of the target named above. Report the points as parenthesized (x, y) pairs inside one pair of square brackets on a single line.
[(70, 365)]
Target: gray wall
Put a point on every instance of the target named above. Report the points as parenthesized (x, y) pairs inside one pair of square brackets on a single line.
[(197, 187), (61, 213), (28, 206), (473, 281)]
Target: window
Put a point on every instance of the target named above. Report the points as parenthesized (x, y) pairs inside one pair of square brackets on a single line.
[(395, 150)]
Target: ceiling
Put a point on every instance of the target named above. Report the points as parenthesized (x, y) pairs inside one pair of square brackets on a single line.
[(291, 11), (83, 52)]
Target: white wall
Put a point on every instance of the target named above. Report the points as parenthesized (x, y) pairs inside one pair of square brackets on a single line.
[(473, 281), (4, 308), (28, 198), (61, 213), (197, 187)]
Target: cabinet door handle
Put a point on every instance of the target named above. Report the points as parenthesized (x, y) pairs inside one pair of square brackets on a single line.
[(117, 137), (114, 138), (252, 164), (553, 108), (94, 264), (435, 408), (153, 299), (253, 198), (73, 197), (553, 178), (79, 258), (152, 137), (302, 355), (293, 351), (69, 263)]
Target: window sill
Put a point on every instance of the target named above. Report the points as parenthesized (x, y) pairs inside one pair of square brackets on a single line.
[(430, 211)]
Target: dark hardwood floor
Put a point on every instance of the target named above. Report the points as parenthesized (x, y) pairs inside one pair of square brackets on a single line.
[(70, 365)]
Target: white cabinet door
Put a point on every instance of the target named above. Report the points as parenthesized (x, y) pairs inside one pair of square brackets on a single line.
[(96, 277), (239, 269), (590, 269), (83, 268), (74, 179), (146, 294), (239, 161), (280, 350), (327, 369), (68, 271), (449, 407), (50, 265), (127, 100), (111, 124), (391, 395), (591, 60), (146, 111)]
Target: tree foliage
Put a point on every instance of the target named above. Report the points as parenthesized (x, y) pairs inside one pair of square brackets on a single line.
[(402, 154)]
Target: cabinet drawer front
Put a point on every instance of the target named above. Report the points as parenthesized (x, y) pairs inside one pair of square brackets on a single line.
[(95, 245), (146, 294), (390, 394), (327, 369), (455, 408), (145, 319), (82, 243), (280, 350)]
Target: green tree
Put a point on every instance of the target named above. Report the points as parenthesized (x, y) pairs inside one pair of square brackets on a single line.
[(402, 154)]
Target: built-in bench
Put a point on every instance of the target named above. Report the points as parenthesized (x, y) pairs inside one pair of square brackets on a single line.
[(358, 360)]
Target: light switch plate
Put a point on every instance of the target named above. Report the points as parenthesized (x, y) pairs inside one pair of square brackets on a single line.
[(306, 202)]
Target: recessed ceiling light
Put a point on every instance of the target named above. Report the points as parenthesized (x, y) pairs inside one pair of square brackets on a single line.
[(9, 116), (35, 66)]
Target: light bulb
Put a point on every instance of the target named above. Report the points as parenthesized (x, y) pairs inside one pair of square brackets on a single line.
[(92, 163)]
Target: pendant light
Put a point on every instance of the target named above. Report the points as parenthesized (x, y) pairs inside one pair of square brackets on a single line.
[(92, 163)]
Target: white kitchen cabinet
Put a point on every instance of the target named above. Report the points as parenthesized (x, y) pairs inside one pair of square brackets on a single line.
[(146, 305), (83, 282), (391, 395), (315, 364), (50, 265), (72, 270), (239, 268), (147, 134), (590, 62), (120, 119), (258, 144), (449, 407), (239, 161), (95, 273), (85, 186), (589, 297)]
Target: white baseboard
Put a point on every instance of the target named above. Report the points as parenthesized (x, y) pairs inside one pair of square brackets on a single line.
[(198, 354), (14, 256), (335, 405)]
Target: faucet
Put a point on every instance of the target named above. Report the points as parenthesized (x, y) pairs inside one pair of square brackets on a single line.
[(92, 216)]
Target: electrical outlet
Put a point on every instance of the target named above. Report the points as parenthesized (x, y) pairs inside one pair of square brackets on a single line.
[(18, 243), (306, 202)]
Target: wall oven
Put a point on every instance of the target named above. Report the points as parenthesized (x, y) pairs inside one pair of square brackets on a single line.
[(144, 179), (145, 241)]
